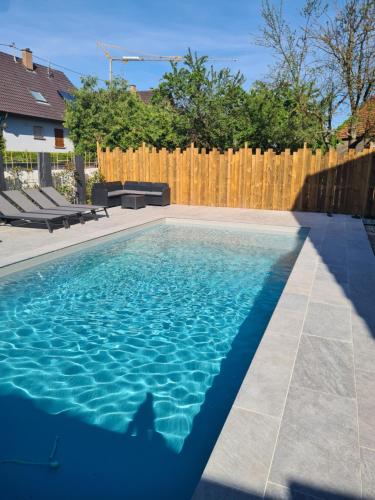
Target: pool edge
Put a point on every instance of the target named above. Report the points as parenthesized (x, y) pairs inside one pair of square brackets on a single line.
[(262, 425)]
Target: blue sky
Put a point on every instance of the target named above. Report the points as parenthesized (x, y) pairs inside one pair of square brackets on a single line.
[(66, 33)]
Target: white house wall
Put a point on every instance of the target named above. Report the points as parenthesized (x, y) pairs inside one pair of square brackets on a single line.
[(19, 136)]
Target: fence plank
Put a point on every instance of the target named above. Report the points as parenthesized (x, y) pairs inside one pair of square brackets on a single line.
[(302, 180)]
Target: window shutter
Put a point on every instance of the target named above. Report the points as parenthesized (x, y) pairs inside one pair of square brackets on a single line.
[(59, 138)]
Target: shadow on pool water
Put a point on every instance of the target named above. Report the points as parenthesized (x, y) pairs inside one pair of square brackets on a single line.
[(99, 464)]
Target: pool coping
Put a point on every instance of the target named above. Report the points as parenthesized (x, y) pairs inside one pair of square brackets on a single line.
[(268, 415), (213, 472)]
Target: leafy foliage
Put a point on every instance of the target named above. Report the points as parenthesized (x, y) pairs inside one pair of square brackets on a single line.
[(114, 116), (93, 179), (2, 144), (330, 49), (282, 116), (195, 103), (208, 106), (64, 181)]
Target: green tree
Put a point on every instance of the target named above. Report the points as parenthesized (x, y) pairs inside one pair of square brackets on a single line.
[(329, 48), (284, 116), (195, 103), (207, 106), (114, 116), (346, 42), (2, 143)]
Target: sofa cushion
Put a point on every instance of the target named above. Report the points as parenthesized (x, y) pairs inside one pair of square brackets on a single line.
[(118, 192), (108, 185), (136, 191), (146, 186)]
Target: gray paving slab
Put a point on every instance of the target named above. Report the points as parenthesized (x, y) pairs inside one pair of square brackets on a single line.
[(336, 272), (368, 473), (327, 320), (318, 443), (243, 456), (330, 292), (301, 281), (296, 302), (365, 384), (265, 387), (286, 322), (364, 342), (291, 492), (277, 492), (325, 365), (211, 490)]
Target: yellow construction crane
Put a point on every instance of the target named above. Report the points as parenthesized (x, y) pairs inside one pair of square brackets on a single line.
[(138, 58)]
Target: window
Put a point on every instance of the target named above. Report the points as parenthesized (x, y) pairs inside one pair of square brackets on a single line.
[(38, 132), (38, 96), (66, 95), (59, 138)]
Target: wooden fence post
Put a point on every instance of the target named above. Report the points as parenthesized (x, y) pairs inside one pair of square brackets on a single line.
[(2, 174), (44, 170), (80, 178)]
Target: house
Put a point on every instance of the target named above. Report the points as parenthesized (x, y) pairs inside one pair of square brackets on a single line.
[(144, 95), (32, 104), (365, 129)]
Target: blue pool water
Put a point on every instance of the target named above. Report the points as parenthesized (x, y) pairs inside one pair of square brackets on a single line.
[(132, 353)]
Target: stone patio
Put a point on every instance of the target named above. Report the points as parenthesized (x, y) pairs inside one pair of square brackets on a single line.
[(303, 422)]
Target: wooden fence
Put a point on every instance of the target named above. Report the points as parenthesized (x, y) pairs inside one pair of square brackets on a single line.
[(302, 180)]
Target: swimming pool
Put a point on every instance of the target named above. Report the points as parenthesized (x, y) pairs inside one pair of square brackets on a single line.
[(132, 353)]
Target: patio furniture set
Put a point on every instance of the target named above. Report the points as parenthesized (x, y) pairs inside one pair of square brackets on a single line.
[(47, 206), (132, 194)]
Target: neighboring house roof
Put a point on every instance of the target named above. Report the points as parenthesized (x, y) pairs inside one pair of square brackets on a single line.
[(145, 95), (365, 125), (16, 82)]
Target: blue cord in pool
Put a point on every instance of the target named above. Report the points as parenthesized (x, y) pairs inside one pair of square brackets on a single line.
[(53, 464)]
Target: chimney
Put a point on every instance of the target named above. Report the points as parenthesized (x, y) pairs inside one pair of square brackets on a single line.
[(133, 88), (27, 59)]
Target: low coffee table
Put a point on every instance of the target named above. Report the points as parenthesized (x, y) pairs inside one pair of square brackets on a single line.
[(134, 201)]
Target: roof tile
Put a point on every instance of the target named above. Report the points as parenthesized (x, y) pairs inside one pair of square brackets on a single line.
[(15, 85)]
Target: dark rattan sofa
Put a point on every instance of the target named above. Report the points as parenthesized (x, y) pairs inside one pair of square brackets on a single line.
[(109, 194)]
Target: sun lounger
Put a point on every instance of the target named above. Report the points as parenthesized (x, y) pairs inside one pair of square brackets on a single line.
[(61, 201), (9, 212), (27, 205), (46, 204)]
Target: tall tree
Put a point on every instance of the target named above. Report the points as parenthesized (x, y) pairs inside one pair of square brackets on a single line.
[(333, 53), (208, 105), (290, 45), (280, 118), (347, 43), (302, 60)]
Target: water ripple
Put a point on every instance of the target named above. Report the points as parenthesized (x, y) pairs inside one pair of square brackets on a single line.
[(92, 333)]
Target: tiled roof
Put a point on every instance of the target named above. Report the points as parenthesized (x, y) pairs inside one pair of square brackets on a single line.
[(365, 124), (145, 95), (15, 85)]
